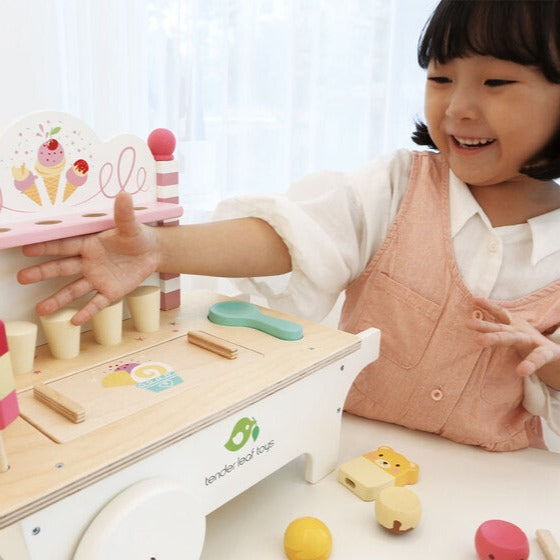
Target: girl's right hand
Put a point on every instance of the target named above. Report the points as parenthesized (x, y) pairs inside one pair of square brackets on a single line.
[(536, 351), (109, 264)]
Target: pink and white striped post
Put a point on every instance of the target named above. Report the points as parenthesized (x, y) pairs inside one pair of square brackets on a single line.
[(162, 145)]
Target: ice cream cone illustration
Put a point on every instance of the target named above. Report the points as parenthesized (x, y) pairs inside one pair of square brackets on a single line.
[(50, 163), (24, 182), (76, 176)]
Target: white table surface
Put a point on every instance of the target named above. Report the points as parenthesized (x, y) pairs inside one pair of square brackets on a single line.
[(459, 487)]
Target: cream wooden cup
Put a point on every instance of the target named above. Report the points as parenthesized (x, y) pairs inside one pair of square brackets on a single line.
[(62, 336), (144, 304), (107, 325), (22, 339)]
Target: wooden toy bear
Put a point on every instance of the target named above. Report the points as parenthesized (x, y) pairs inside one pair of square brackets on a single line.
[(368, 474)]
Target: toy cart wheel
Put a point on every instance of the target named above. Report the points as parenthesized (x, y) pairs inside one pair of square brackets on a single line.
[(154, 518)]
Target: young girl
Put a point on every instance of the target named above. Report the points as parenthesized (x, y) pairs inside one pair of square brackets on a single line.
[(418, 240)]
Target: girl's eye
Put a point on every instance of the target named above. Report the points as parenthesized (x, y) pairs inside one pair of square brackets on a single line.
[(498, 83), (439, 79)]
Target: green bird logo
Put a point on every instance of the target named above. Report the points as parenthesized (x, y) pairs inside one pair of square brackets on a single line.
[(245, 428)]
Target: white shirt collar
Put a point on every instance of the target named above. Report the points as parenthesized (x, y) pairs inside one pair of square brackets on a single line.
[(462, 205), (546, 234), (545, 229)]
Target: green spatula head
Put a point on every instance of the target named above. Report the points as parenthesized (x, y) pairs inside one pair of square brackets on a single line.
[(243, 314)]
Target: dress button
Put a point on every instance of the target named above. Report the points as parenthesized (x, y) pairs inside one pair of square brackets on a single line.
[(493, 246), (437, 394), (477, 314)]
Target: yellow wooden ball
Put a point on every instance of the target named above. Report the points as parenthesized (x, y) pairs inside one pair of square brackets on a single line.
[(307, 538)]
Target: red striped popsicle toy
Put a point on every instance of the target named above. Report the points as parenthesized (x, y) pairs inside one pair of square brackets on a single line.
[(9, 409)]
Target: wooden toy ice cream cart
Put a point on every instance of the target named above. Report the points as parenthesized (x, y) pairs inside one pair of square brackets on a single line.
[(122, 450)]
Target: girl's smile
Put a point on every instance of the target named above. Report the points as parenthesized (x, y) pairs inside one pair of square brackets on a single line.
[(472, 143)]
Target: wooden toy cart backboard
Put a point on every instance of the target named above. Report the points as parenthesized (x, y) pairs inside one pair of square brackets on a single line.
[(69, 190)]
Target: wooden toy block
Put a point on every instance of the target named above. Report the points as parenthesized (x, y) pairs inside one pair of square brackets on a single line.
[(548, 544), (63, 337), (107, 324), (398, 509), (59, 403), (22, 339), (213, 344), (370, 473), (144, 305)]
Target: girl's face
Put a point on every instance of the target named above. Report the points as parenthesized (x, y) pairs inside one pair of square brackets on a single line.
[(489, 117)]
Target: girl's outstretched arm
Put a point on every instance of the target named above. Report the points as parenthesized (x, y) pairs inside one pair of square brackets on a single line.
[(538, 353), (114, 262)]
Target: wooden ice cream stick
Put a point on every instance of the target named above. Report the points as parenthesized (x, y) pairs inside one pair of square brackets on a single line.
[(9, 408), (59, 403), (212, 343), (548, 544)]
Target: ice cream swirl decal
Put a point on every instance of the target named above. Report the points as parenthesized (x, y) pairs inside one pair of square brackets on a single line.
[(153, 376)]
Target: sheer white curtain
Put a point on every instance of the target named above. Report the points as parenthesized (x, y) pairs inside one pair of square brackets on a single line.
[(87, 57), (258, 92), (270, 90)]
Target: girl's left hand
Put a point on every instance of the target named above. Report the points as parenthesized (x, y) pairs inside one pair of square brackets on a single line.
[(535, 349)]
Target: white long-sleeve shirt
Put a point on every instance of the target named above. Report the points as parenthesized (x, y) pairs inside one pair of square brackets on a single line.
[(333, 223)]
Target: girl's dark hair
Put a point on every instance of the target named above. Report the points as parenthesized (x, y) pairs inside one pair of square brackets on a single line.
[(523, 31)]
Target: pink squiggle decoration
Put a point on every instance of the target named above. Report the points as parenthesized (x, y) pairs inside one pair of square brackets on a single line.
[(123, 172), (123, 175), (3, 207), (141, 178), (16, 210)]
